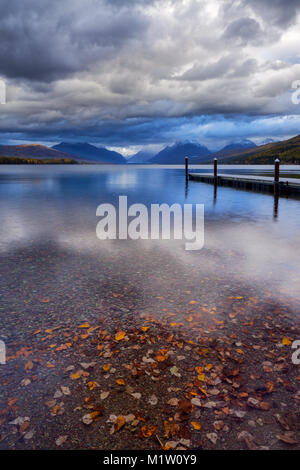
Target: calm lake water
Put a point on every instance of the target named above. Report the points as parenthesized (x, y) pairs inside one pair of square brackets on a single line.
[(48, 243)]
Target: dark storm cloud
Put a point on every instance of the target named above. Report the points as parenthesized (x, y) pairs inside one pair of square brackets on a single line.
[(139, 71), (279, 12), (50, 39), (245, 30)]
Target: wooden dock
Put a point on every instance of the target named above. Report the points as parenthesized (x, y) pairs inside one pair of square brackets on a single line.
[(285, 186)]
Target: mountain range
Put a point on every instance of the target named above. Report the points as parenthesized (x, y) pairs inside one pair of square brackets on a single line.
[(143, 156), (243, 152), (177, 153), (288, 152), (30, 151), (90, 152)]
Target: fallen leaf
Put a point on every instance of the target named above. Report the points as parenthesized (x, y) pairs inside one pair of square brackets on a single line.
[(104, 395), (148, 430), (120, 381), (75, 376), (119, 423), (28, 365), (174, 371), (171, 428), (212, 436), (173, 402), (288, 438), (153, 400), (196, 425), (120, 335), (61, 440), (286, 342), (92, 385), (24, 426)]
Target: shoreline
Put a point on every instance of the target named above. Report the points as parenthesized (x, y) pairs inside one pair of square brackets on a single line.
[(182, 374)]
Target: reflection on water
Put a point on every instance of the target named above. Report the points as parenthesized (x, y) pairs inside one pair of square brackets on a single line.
[(248, 235)]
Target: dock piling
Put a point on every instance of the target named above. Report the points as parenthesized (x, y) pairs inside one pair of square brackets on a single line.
[(215, 168), (276, 170), (186, 168)]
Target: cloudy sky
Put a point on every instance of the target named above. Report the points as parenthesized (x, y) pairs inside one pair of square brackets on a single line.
[(131, 73)]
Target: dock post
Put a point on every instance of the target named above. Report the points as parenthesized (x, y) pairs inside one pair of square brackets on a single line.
[(276, 170), (186, 168), (215, 168)]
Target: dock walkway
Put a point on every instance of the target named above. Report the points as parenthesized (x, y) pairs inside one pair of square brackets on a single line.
[(287, 186)]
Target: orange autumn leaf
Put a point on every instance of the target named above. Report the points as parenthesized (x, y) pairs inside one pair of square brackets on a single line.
[(201, 377), (95, 414), (269, 386), (24, 426), (106, 367), (92, 385), (147, 431), (196, 425), (28, 365), (120, 335), (84, 325), (167, 447), (145, 328), (192, 302), (11, 401), (162, 355), (75, 376), (63, 346), (286, 342), (171, 428), (119, 423), (45, 301), (120, 381)]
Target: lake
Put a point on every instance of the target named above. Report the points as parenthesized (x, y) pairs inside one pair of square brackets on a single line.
[(140, 323), (54, 207), (48, 213)]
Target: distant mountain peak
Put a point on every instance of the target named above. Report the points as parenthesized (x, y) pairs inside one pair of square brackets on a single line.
[(240, 144), (143, 156), (90, 152), (178, 151)]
